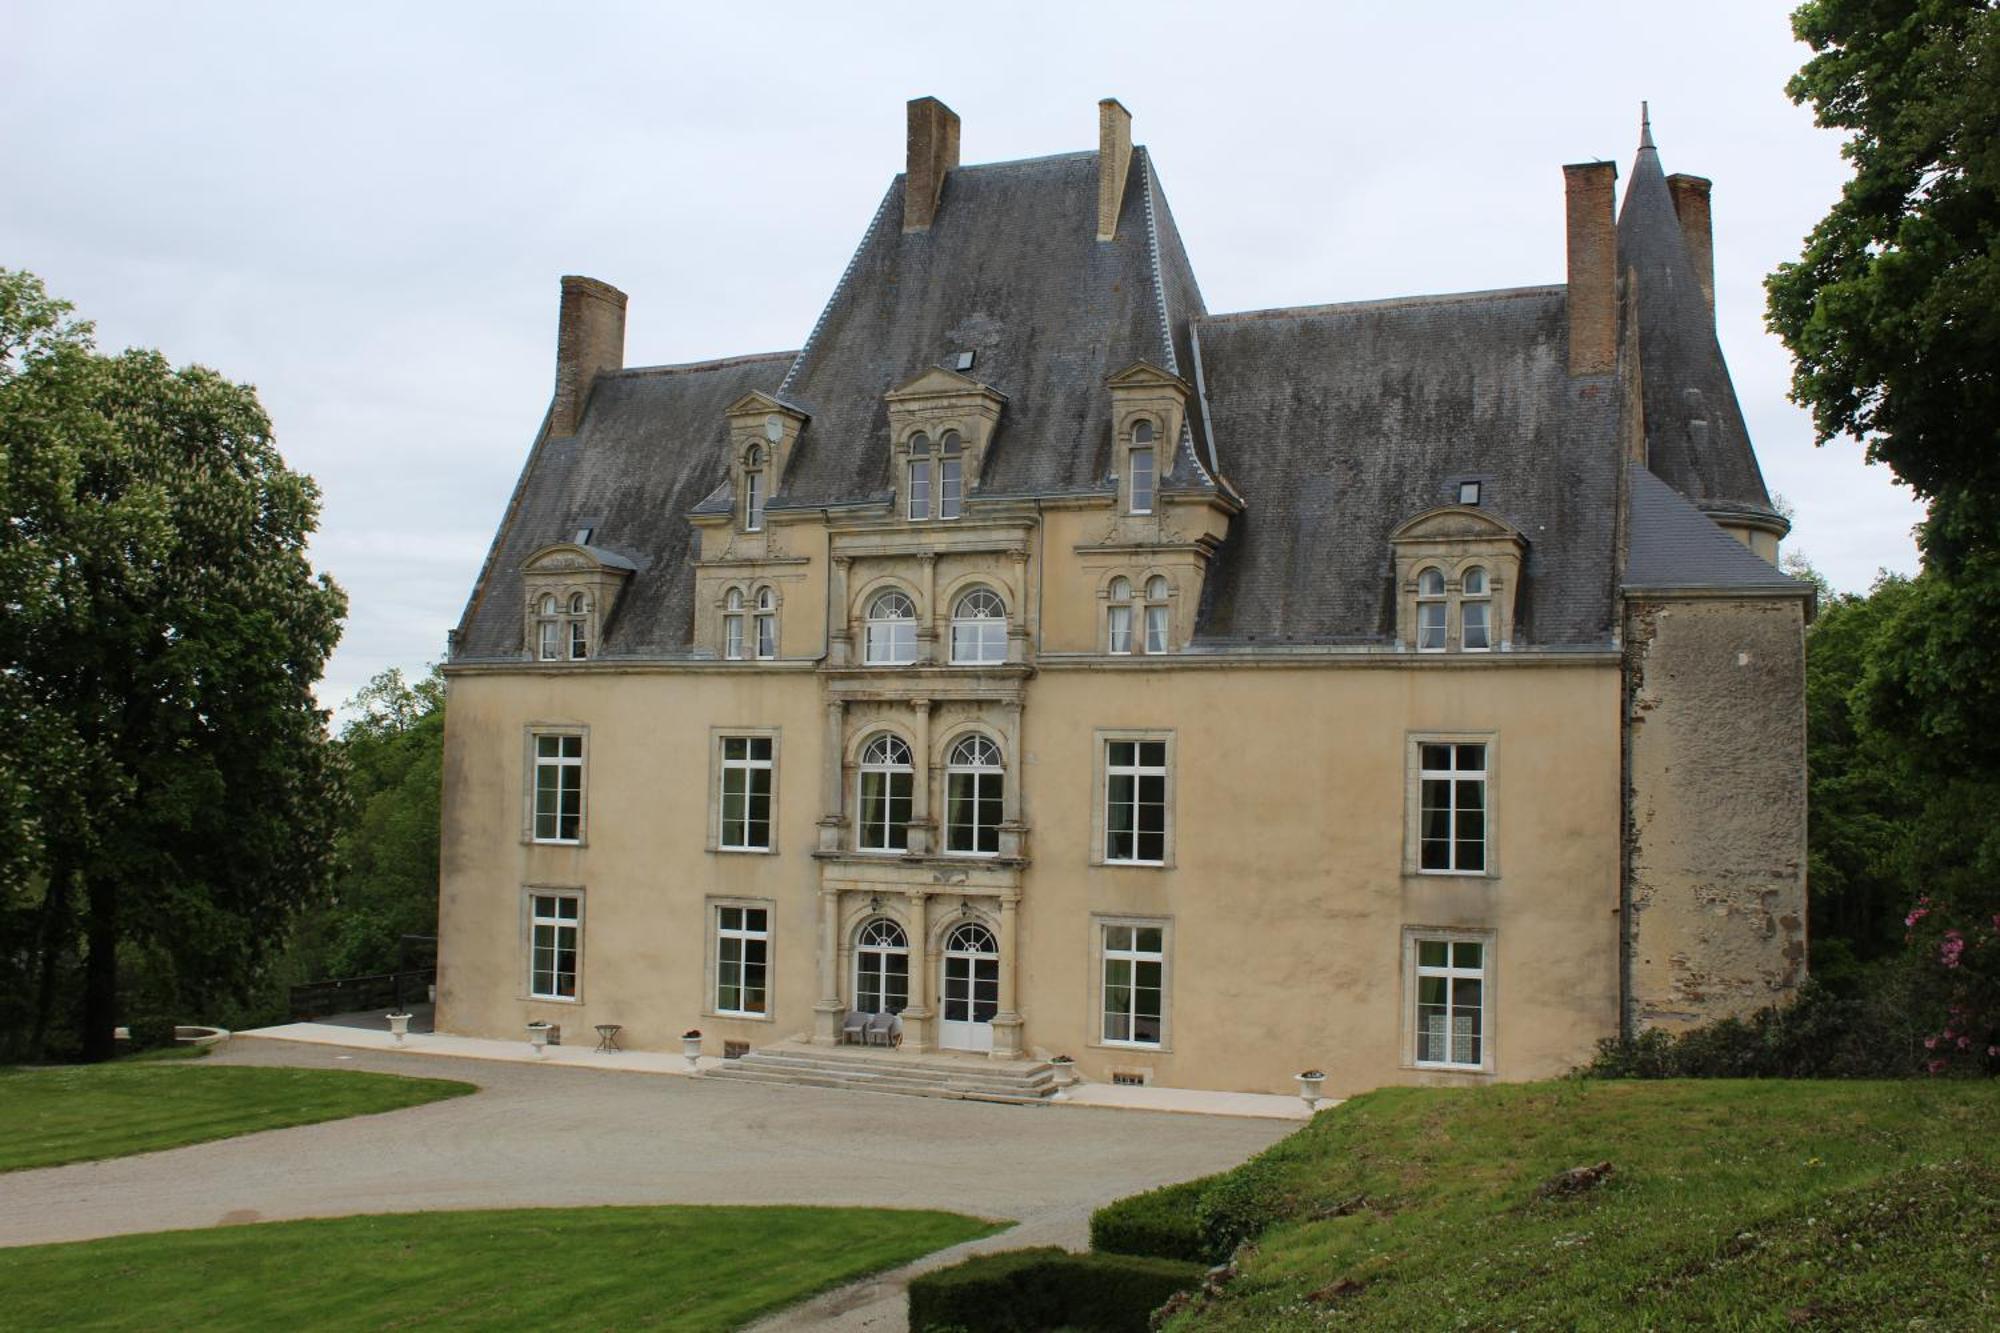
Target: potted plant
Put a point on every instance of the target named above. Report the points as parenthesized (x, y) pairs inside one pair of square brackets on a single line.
[(399, 1026), (691, 1047), (1065, 1070), (1309, 1084), (538, 1036)]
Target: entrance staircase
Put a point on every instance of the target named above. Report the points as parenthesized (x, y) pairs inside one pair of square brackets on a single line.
[(971, 1078)]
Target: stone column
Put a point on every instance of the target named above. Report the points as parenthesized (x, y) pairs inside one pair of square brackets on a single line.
[(923, 828), (932, 614), (828, 1012), (918, 1033), (1017, 610), (832, 771), (1013, 830), (1007, 1021)]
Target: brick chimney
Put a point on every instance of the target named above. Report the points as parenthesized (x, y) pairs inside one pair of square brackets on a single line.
[(933, 151), (1691, 206), (1114, 159), (590, 339), (1593, 268)]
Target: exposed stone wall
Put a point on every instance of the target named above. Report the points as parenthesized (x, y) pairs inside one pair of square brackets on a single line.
[(1715, 806)]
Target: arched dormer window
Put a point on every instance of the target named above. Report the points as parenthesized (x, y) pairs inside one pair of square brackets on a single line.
[(1156, 614), (1432, 610), (754, 492), (888, 778), (979, 628), (548, 630), (767, 624), (974, 781), (1118, 617), (1457, 570), (1142, 466), (1475, 620), (891, 634), (732, 625), (951, 476), (579, 627), (917, 494)]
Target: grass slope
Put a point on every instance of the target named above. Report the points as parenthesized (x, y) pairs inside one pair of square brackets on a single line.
[(681, 1268), (77, 1113), (1731, 1205)]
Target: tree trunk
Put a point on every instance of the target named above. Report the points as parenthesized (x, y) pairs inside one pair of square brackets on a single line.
[(52, 938), (100, 970)]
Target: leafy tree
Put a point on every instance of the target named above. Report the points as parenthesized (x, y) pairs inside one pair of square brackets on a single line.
[(168, 788)]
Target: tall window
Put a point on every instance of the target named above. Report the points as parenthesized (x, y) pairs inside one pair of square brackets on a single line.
[(1452, 831), (767, 623), (548, 630), (918, 492), (1135, 962), (1475, 633), (732, 625), (742, 960), (1156, 614), (1451, 1002), (951, 476), (887, 780), (891, 638), (974, 780), (556, 922), (558, 788), (1118, 620), (746, 794), (579, 627), (1135, 802), (979, 627), (881, 968), (1431, 610), (753, 489), (1141, 468)]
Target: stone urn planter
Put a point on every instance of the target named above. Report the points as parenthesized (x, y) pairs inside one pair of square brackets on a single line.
[(1065, 1071), (399, 1026), (691, 1047), (1309, 1085), (538, 1037)]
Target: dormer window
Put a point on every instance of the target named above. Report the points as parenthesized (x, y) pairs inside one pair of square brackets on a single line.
[(571, 589), (891, 634), (767, 624), (1156, 614), (1457, 569), (548, 629), (951, 475), (1474, 611), (1141, 469), (579, 627), (753, 489), (732, 625), (1432, 610), (1118, 619), (919, 489)]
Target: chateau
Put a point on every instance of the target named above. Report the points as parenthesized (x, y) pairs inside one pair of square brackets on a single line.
[(1404, 688)]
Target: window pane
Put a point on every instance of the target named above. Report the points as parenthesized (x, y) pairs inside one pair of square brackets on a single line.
[(548, 747), (1475, 625), (1121, 753), (1156, 629), (1149, 939), (1142, 480), (1153, 754), (757, 831), (949, 487), (760, 748), (735, 747), (732, 918), (1432, 953), (767, 636), (920, 490), (754, 918), (1466, 954), (1437, 756), (1472, 757), (1121, 629)]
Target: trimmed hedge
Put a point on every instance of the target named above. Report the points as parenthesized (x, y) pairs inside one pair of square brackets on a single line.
[(1162, 1224), (1022, 1291)]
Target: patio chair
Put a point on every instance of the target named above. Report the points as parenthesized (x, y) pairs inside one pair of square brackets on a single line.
[(885, 1029), (855, 1027)]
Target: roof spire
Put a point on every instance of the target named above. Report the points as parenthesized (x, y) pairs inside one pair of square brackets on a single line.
[(1645, 127)]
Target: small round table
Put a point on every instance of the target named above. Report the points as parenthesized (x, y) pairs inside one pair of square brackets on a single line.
[(607, 1036)]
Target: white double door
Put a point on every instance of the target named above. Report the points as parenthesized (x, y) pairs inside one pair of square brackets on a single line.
[(970, 992)]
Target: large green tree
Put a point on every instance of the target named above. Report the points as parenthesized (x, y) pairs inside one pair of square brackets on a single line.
[(168, 787)]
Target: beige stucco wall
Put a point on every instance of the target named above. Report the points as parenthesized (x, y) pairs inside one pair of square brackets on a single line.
[(1287, 896)]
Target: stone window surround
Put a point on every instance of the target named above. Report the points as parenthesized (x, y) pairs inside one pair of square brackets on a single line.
[(529, 733), (1100, 785), (711, 949), (1095, 1037), (1138, 577), (1413, 800), (526, 980), (1489, 999), (929, 787), (716, 736), (1453, 539)]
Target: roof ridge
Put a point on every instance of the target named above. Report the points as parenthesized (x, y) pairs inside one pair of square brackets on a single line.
[(1145, 159), (846, 276), (1028, 161), (1389, 302), (716, 363)]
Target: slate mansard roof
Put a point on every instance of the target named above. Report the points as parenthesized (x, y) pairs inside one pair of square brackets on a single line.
[(1333, 424)]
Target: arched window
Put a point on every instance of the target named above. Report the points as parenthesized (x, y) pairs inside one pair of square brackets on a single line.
[(548, 630), (1142, 468), (891, 638), (1156, 614), (974, 782), (881, 968), (917, 495), (579, 627), (1118, 622), (1475, 634), (1431, 610), (753, 489), (979, 627), (767, 623), (951, 476), (887, 779), (732, 625)]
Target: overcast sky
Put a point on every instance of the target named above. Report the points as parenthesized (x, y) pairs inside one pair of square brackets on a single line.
[(363, 209)]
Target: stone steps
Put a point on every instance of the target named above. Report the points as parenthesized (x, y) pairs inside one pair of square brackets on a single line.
[(1014, 1083)]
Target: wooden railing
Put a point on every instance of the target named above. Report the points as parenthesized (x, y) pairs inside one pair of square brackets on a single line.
[(345, 995)]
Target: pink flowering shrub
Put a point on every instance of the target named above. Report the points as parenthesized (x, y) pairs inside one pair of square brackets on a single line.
[(1958, 952)]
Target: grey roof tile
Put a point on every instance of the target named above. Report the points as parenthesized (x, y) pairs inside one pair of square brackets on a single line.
[(1672, 544)]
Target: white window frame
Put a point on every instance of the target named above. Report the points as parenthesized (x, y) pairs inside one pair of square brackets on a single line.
[(1159, 628), (951, 486), (1414, 972), (1483, 599), (548, 629), (532, 920), (534, 764), (980, 775), (753, 491), (1441, 602), (1144, 499), (1414, 802), (889, 771), (579, 627), (732, 625), (766, 623), (722, 766), (718, 933), (1104, 954), (862, 945), (1100, 806), (988, 633), (917, 494), (897, 633), (1118, 617)]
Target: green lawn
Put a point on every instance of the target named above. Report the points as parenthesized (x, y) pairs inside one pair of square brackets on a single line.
[(74, 1113), (679, 1268), (1731, 1205)]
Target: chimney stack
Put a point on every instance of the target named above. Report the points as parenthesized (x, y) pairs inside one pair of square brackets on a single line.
[(933, 151), (1593, 268), (1114, 159), (590, 339), (1691, 206)]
